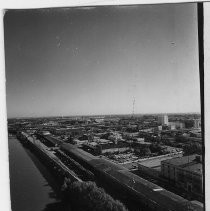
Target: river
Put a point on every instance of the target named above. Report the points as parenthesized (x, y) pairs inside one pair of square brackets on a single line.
[(32, 186)]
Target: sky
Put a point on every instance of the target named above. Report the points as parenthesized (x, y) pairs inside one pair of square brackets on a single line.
[(102, 60)]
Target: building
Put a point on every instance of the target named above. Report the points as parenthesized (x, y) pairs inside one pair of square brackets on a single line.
[(176, 125), (140, 147), (197, 123), (102, 146), (186, 173), (163, 120), (152, 166), (132, 186), (195, 133), (172, 127)]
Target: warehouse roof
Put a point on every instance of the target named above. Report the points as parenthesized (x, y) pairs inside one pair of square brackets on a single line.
[(180, 161)]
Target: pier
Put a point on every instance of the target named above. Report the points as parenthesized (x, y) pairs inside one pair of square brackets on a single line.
[(48, 157)]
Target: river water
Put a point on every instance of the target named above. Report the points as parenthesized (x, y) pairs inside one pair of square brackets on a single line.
[(32, 186)]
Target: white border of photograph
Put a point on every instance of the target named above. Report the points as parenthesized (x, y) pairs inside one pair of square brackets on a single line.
[(24, 4)]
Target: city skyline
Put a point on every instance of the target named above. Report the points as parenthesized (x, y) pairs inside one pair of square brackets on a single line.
[(97, 60), (104, 115)]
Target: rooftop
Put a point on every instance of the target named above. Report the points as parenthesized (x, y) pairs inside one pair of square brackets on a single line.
[(194, 167), (156, 161), (187, 162)]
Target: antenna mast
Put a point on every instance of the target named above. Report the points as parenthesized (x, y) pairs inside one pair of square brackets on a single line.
[(133, 107)]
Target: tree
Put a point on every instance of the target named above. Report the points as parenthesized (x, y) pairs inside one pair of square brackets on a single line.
[(87, 196), (145, 151), (193, 148), (155, 148), (189, 123)]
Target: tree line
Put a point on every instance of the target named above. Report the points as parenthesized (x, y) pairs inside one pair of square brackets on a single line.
[(86, 196)]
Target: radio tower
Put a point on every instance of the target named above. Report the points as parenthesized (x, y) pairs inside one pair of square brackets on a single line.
[(133, 107)]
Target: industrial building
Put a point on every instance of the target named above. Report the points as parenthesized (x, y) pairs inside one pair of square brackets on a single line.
[(102, 146), (186, 173), (151, 195)]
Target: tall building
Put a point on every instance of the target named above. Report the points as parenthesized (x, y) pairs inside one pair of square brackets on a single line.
[(197, 123), (163, 120)]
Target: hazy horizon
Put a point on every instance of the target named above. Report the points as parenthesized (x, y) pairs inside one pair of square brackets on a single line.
[(97, 60), (138, 114)]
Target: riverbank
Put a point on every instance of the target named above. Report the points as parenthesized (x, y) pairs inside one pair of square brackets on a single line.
[(32, 186)]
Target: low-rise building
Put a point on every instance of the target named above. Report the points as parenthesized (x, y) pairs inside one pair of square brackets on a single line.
[(102, 146), (152, 165), (185, 172), (176, 125)]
